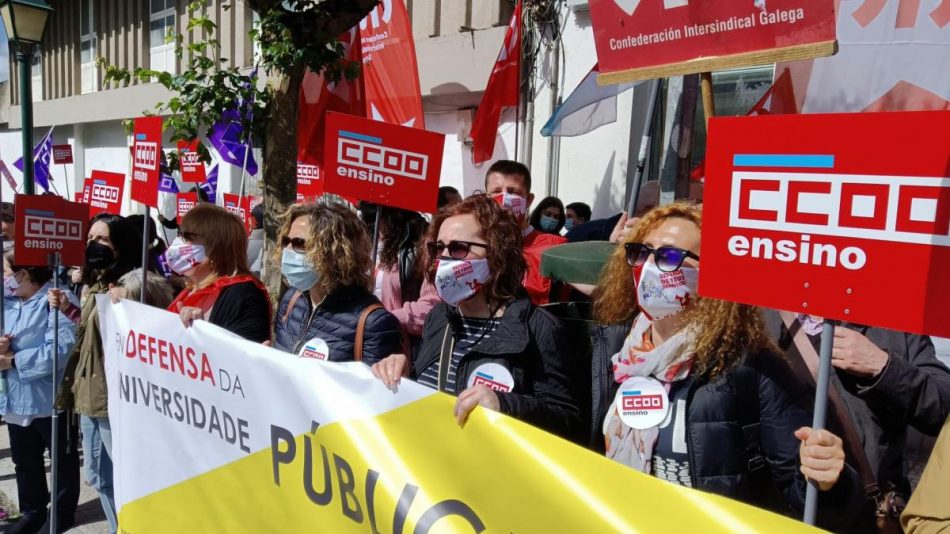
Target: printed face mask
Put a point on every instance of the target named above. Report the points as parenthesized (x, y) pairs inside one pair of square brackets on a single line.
[(297, 270), (661, 294), (459, 280), (10, 285), (513, 203), (548, 224), (183, 257)]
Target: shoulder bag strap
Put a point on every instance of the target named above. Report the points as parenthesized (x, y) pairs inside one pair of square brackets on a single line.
[(290, 306), (445, 357), (747, 394), (808, 356), (361, 328)]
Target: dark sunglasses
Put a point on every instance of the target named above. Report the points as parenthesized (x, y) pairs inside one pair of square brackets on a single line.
[(297, 243), (667, 258), (457, 249)]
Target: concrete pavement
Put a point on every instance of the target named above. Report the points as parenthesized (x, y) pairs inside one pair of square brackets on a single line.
[(89, 516)]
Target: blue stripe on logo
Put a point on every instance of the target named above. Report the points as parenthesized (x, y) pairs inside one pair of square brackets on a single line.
[(627, 393), (784, 160), (361, 137), (483, 375), (41, 213)]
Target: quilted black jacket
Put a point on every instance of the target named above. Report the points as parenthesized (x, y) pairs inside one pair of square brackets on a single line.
[(335, 321)]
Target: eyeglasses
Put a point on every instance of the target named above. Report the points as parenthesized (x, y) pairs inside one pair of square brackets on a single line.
[(458, 250), (667, 258), (297, 243)]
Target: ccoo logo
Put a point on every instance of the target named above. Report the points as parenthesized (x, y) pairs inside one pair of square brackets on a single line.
[(373, 17)]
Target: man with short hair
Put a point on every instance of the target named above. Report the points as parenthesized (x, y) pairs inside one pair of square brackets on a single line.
[(509, 182), (575, 214), (7, 226)]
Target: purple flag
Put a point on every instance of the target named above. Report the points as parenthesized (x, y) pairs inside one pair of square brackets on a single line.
[(210, 186), (42, 154), (226, 135), (167, 184)]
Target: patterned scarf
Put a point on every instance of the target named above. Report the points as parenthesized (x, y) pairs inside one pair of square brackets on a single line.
[(668, 363)]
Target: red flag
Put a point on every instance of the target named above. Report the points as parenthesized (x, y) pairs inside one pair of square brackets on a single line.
[(503, 90), (390, 75), (778, 100), (316, 99)]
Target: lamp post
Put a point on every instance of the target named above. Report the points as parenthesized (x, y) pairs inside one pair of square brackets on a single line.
[(25, 21)]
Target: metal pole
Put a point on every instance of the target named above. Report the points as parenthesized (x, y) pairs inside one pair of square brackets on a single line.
[(644, 146), (24, 60), (821, 408), (145, 253), (555, 86), (66, 181), (54, 262)]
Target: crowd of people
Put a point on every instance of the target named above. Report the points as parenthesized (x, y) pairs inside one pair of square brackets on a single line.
[(439, 300)]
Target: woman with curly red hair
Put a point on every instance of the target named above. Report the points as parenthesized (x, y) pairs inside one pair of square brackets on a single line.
[(486, 342), (704, 400)]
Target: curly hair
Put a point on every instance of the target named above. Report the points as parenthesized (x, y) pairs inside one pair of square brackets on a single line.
[(338, 246), (723, 332), (502, 233)]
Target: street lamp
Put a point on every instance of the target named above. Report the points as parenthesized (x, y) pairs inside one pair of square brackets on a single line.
[(25, 21)]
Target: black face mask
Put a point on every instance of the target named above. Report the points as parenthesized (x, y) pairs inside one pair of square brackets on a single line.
[(98, 256)]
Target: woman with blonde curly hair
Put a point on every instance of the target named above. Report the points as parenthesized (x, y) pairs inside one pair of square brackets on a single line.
[(703, 398), (329, 312)]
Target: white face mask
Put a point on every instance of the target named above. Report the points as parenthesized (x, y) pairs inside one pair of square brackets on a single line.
[(517, 205), (10, 285), (661, 294), (459, 280), (182, 257)]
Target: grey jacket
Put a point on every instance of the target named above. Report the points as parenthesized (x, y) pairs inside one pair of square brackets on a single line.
[(913, 390)]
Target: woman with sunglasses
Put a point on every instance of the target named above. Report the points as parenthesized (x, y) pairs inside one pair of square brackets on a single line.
[(329, 312), (702, 400), (211, 253), (113, 249), (486, 342)]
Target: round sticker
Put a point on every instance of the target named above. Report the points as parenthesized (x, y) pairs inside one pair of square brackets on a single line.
[(493, 376), (316, 348), (642, 402)]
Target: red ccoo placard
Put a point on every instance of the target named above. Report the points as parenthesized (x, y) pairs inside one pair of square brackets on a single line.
[(383, 163), (146, 157), (62, 154), (240, 207), (186, 201), (821, 214), (46, 224), (189, 160), (105, 193)]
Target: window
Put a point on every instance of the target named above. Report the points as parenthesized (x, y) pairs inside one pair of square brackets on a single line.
[(161, 22), (36, 74), (87, 48)]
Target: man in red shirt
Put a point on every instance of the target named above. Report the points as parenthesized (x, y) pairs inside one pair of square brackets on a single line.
[(510, 183)]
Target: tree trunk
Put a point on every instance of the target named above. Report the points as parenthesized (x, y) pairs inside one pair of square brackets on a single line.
[(280, 167)]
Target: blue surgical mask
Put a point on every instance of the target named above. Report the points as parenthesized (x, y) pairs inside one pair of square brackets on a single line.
[(548, 224), (297, 270), (568, 224)]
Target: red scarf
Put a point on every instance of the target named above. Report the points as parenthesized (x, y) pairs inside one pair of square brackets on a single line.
[(205, 297)]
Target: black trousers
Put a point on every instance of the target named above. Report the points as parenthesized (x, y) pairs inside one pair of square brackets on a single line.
[(26, 448)]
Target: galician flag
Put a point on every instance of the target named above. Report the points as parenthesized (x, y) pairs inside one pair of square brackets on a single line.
[(589, 107)]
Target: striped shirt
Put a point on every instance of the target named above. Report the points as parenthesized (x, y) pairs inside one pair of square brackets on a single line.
[(473, 331)]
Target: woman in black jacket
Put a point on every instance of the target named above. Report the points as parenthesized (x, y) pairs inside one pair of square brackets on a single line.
[(329, 312), (704, 401), (211, 253), (486, 343)]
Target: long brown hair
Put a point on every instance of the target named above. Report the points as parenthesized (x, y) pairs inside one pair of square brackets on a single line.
[(222, 234), (502, 233), (723, 332)]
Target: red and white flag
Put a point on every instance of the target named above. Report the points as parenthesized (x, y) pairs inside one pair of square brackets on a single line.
[(503, 90), (779, 99), (390, 75)]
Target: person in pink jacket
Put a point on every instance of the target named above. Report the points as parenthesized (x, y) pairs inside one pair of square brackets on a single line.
[(401, 284)]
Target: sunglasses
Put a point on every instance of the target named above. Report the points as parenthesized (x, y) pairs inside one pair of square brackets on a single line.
[(297, 243), (458, 250), (667, 258)]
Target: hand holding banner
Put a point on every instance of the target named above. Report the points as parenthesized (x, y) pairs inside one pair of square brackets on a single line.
[(319, 443)]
